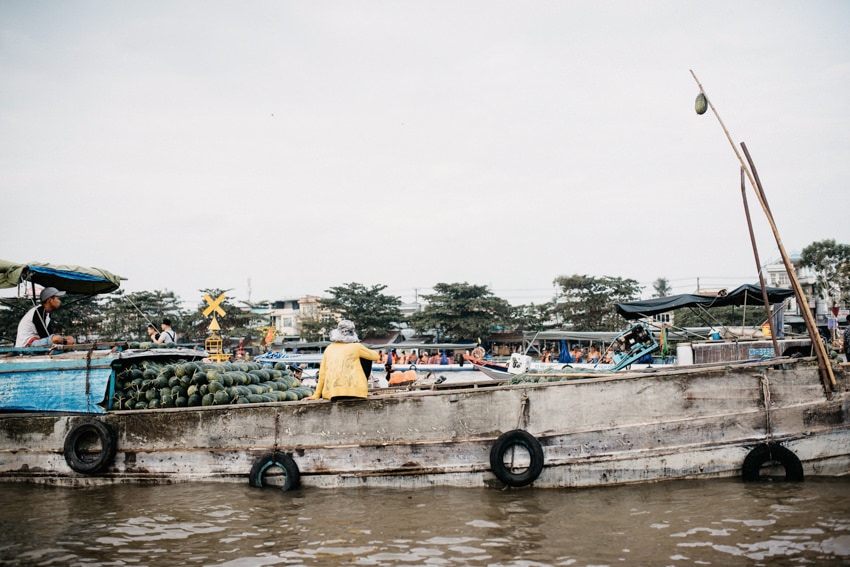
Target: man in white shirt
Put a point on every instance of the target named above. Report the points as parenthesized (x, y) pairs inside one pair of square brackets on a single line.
[(33, 330), (166, 336)]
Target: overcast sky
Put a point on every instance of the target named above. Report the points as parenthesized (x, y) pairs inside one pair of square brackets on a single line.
[(281, 148)]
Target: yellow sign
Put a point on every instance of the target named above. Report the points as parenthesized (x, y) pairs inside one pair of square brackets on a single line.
[(214, 325), (215, 305)]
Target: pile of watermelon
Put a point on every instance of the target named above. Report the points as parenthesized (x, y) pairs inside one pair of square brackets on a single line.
[(151, 384)]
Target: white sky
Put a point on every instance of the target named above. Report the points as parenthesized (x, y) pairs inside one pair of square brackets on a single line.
[(303, 145)]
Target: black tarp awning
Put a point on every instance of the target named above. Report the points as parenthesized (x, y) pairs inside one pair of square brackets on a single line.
[(747, 294)]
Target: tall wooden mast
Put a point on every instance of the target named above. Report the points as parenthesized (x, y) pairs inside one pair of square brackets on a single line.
[(817, 344)]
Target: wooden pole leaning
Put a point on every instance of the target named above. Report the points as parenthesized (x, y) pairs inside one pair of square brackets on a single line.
[(817, 344), (811, 325), (764, 297)]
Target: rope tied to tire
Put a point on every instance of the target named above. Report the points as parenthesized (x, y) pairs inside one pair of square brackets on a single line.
[(523, 410), (765, 388)]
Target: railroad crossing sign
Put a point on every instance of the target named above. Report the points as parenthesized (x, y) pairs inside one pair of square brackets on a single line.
[(214, 343), (214, 305)]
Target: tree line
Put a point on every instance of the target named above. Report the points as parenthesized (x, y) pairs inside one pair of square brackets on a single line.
[(457, 311)]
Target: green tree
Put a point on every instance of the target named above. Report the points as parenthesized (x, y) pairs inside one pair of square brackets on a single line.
[(587, 302), (661, 287), (125, 316), (11, 311), (373, 312), (829, 261), (316, 328), (80, 316), (461, 311), (531, 317)]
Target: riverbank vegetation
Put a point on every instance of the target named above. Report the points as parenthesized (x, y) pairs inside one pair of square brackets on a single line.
[(457, 311)]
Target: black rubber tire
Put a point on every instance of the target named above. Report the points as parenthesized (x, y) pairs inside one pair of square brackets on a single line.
[(82, 436), (771, 452), (292, 476), (508, 440)]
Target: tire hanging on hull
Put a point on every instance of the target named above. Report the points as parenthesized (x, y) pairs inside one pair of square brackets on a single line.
[(508, 474), (771, 453), (80, 447), (283, 461)]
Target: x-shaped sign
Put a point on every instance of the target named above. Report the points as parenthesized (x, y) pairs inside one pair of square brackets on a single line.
[(215, 305)]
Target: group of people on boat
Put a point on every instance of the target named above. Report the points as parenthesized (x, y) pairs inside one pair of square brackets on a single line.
[(577, 354), (166, 334), (34, 326), (394, 357)]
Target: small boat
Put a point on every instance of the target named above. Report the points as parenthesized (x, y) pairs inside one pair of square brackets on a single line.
[(76, 378), (625, 351)]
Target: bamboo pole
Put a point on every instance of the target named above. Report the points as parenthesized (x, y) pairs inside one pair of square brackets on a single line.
[(811, 325), (758, 266), (823, 359)]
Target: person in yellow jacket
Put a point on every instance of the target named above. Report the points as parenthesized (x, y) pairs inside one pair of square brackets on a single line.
[(341, 375)]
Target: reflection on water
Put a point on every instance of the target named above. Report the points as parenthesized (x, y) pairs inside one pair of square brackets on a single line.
[(722, 522)]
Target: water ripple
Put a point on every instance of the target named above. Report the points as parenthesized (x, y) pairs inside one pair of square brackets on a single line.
[(685, 523)]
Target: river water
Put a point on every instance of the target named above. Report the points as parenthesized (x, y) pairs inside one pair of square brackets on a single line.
[(718, 522)]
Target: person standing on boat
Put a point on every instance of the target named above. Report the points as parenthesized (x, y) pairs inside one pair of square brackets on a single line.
[(847, 340), (166, 336), (341, 374), (479, 352), (576, 353), (33, 330)]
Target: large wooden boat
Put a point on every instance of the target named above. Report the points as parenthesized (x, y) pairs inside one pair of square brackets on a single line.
[(699, 422), (59, 424)]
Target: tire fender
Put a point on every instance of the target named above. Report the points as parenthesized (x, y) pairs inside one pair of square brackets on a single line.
[(507, 441), (79, 444), (283, 461), (771, 452)]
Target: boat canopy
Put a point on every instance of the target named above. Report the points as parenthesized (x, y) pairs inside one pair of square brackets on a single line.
[(557, 335), (73, 279), (419, 345), (747, 294)]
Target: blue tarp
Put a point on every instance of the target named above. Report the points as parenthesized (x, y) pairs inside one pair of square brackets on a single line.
[(73, 279), (564, 357)]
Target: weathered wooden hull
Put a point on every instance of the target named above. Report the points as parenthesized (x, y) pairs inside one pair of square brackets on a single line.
[(612, 429)]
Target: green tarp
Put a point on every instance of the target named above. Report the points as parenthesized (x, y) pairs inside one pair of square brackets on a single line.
[(73, 279)]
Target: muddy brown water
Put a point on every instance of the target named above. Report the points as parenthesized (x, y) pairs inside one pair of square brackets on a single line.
[(718, 522)]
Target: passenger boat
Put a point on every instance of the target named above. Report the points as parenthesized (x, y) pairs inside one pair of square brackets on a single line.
[(730, 345), (750, 419)]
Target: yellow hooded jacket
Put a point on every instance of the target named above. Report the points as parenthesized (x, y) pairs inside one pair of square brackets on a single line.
[(340, 373)]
